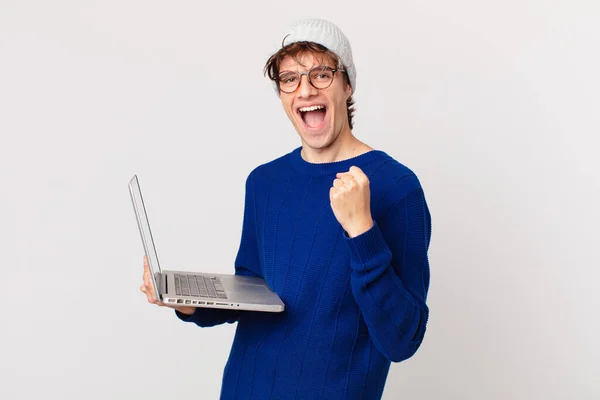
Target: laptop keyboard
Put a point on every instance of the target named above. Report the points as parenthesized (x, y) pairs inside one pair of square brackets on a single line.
[(199, 286)]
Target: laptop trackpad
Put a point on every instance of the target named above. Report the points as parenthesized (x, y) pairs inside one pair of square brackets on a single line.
[(256, 289)]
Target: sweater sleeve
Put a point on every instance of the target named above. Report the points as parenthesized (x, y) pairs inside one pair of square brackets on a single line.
[(246, 264), (390, 273)]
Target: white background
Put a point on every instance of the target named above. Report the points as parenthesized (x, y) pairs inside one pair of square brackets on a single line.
[(494, 104)]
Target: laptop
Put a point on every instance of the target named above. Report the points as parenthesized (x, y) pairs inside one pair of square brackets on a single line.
[(206, 290)]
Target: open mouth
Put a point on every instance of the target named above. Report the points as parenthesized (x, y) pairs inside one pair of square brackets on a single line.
[(313, 116)]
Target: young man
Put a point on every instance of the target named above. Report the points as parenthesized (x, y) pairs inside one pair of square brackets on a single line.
[(339, 231)]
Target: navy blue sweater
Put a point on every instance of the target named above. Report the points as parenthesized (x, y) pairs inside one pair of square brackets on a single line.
[(352, 304)]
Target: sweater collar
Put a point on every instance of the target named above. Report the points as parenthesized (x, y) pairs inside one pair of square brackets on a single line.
[(331, 168)]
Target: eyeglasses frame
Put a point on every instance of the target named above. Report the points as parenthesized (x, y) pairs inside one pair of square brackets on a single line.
[(307, 73)]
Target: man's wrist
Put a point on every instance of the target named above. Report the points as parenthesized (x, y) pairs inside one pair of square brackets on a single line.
[(360, 228)]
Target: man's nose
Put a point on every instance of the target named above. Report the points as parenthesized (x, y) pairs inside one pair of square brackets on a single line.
[(306, 89)]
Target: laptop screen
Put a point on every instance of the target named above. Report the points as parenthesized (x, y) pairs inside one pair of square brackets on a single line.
[(144, 225)]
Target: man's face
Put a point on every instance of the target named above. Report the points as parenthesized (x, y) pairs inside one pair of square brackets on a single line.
[(321, 126)]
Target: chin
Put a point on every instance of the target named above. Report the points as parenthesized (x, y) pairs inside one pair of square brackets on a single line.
[(317, 143)]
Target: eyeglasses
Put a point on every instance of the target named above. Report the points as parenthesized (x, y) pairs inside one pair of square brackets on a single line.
[(320, 77)]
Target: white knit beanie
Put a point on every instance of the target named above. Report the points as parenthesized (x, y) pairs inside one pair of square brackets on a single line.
[(326, 34)]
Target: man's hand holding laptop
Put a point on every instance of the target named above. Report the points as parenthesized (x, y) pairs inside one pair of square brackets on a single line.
[(148, 288)]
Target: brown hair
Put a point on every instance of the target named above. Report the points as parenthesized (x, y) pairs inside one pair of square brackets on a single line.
[(296, 50)]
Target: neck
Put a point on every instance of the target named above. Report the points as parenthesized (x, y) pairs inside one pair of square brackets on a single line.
[(344, 147)]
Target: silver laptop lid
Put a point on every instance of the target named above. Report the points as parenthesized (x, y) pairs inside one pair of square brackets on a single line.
[(144, 225)]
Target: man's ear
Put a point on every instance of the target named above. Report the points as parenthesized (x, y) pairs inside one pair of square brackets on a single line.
[(348, 91)]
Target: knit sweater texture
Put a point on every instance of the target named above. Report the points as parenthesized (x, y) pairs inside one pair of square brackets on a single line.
[(353, 305)]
